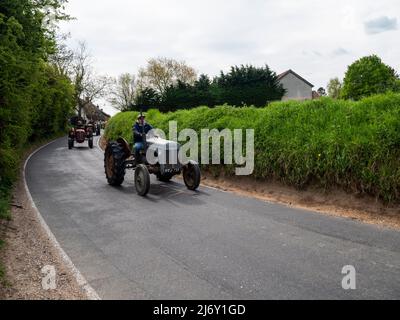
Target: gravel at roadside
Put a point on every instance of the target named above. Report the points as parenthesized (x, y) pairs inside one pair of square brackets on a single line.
[(27, 251)]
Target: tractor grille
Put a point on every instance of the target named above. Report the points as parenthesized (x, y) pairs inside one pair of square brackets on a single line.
[(80, 135)]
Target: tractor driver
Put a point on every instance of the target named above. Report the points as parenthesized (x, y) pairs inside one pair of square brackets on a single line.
[(140, 128)]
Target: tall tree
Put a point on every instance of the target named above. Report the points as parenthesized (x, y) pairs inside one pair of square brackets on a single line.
[(184, 96), (147, 97), (334, 88), (88, 85), (368, 76), (29, 87), (63, 57), (161, 73), (249, 85), (203, 83), (123, 93)]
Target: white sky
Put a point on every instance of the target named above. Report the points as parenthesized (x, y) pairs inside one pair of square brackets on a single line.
[(317, 39)]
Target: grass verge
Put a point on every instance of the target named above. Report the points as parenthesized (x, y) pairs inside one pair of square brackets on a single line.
[(6, 190)]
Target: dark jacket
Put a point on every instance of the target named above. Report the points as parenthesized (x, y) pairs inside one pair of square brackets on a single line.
[(138, 130)]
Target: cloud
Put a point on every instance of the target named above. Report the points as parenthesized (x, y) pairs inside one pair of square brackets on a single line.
[(380, 24), (340, 52), (312, 54)]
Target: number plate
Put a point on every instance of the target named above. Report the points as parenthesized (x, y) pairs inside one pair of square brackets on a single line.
[(173, 170)]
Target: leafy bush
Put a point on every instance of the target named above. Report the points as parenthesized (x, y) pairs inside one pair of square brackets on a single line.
[(368, 76), (325, 142), (35, 99)]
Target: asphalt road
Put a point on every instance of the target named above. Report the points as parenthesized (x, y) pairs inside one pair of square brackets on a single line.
[(178, 244)]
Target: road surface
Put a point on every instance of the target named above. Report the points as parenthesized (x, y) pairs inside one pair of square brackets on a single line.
[(178, 244)]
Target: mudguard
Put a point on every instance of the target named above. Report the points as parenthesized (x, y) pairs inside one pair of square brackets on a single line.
[(125, 146)]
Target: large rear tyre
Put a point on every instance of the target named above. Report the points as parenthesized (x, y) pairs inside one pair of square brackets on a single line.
[(142, 180), (70, 143), (114, 163), (192, 175)]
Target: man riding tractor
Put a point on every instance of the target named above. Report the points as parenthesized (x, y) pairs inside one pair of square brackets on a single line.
[(140, 129)]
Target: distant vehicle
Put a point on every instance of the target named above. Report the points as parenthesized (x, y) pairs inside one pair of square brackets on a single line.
[(80, 132)]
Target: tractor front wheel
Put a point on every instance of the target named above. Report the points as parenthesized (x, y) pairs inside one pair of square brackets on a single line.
[(142, 180), (192, 175), (91, 143)]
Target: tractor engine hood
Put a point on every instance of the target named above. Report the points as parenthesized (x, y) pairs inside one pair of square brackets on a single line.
[(162, 144), (165, 151)]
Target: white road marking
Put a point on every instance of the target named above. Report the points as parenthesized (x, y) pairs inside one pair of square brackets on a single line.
[(82, 282)]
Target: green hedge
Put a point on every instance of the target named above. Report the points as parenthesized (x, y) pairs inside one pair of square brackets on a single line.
[(35, 97), (325, 142)]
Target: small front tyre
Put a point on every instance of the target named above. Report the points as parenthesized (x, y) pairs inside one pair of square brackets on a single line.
[(70, 143), (142, 180), (192, 175), (91, 143)]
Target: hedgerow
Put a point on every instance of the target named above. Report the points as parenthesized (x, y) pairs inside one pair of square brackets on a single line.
[(327, 143), (35, 99)]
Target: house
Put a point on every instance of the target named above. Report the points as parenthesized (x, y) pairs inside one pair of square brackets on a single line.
[(297, 88), (93, 112)]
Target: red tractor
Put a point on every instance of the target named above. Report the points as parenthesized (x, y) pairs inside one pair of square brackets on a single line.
[(80, 133)]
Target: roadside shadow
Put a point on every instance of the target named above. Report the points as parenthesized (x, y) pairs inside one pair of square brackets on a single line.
[(80, 148), (171, 192)]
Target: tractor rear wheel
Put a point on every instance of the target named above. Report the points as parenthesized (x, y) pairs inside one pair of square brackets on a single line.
[(192, 175), (142, 180), (114, 163)]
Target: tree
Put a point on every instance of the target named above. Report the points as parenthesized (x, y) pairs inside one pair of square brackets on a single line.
[(147, 97), (248, 85), (203, 83), (179, 96), (368, 76), (205, 91), (161, 73), (88, 85), (397, 86), (63, 57), (185, 96), (334, 88), (34, 98), (123, 94), (244, 85), (53, 101)]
